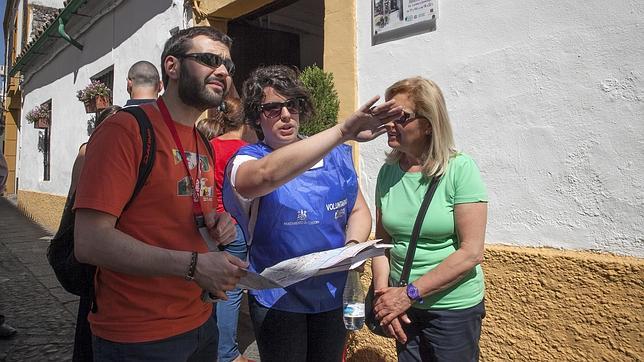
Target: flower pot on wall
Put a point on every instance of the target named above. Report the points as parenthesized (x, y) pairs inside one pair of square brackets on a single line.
[(41, 123), (97, 104), (90, 106)]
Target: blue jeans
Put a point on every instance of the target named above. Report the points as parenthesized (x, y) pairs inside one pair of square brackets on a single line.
[(197, 345), (442, 335), (297, 337), (228, 311)]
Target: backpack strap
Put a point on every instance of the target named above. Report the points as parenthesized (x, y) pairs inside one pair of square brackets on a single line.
[(148, 150), (148, 154)]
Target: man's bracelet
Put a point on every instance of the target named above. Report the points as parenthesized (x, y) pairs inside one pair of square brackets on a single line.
[(190, 275)]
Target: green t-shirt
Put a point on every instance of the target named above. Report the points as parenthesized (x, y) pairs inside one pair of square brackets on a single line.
[(399, 195)]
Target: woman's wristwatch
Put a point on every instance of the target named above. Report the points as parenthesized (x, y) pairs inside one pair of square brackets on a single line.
[(414, 294)]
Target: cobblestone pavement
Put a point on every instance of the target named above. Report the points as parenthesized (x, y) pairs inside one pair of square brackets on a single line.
[(31, 299), (37, 306)]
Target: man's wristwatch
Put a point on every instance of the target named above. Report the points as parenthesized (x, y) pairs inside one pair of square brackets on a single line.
[(414, 294)]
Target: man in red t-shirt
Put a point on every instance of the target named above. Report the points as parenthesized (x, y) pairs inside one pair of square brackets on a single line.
[(154, 264)]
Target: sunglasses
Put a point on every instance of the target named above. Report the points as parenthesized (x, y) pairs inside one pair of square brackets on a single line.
[(406, 117), (211, 60), (274, 109)]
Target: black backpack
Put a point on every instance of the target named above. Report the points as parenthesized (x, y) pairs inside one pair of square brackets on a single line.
[(75, 277), (78, 278)]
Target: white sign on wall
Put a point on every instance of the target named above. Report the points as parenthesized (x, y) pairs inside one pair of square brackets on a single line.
[(396, 19)]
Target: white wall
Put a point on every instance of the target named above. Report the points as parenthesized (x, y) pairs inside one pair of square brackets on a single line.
[(548, 97), (110, 41)]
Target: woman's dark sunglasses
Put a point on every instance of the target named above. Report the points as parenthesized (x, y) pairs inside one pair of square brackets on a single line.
[(274, 109), (406, 117), (212, 60)]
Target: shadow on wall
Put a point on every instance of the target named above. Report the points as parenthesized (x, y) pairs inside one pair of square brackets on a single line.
[(101, 38)]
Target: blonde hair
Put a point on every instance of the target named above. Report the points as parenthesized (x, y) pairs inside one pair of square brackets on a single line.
[(430, 105)]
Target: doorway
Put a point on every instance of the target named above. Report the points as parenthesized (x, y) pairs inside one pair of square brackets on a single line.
[(283, 32)]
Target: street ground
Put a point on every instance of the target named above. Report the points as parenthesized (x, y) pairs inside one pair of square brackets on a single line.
[(36, 305)]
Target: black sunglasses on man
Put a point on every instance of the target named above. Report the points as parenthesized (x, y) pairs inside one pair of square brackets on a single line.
[(211, 60)]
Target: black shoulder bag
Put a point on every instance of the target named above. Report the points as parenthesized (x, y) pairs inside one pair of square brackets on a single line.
[(370, 318)]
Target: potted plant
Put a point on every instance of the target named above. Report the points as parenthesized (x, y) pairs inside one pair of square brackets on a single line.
[(39, 116), (324, 97), (96, 96)]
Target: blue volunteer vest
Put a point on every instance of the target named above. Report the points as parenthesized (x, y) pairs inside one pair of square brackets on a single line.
[(305, 215)]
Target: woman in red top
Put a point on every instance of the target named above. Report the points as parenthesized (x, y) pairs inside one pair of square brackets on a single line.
[(234, 134)]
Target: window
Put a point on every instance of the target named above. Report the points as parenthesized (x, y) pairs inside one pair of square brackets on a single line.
[(46, 156), (106, 77), (44, 141)]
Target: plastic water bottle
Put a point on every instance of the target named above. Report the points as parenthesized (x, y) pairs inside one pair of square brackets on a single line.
[(353, 302)]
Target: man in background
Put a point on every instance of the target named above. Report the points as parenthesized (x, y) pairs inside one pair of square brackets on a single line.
[(143, 83)]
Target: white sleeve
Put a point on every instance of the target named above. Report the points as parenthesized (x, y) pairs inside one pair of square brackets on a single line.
[(249, 206), (238, 161)]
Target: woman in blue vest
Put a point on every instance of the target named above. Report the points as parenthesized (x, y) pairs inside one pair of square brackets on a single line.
[(294, 196)]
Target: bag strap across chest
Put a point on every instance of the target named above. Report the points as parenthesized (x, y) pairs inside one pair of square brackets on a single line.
[(411, 249)]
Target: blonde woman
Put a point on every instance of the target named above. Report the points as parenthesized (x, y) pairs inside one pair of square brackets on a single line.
[(437, 316)]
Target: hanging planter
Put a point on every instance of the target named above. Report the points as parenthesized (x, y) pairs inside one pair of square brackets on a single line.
[(42, 123), (40, 116), (96, 104), (96, 96)]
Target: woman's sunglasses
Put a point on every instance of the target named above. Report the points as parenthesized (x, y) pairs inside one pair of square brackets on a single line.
[(274, 109), (211, 60), (406, 117)]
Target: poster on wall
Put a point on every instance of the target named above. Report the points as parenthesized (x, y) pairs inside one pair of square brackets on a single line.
[(396, 19)]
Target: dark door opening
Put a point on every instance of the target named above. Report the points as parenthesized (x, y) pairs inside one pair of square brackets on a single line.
[(256, 46), (283, 32)]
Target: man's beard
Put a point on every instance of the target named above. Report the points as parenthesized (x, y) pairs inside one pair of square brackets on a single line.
[(194, 93)]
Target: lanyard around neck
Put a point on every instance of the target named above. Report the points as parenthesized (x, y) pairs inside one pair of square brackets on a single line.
[(195, 185)]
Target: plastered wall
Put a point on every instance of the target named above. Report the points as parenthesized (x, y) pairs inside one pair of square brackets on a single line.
[(549, 305), (548, 97), (107, 43)]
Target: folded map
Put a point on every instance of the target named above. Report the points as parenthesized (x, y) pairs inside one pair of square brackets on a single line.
[(296, 269)]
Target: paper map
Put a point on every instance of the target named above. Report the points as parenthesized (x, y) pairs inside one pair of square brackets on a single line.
[(294, 270)]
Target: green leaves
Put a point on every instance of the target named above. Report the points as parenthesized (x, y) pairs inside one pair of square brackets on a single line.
[(325, 100)]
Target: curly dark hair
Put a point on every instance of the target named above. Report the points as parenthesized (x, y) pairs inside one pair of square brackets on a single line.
[(285, 82), (180, 42)]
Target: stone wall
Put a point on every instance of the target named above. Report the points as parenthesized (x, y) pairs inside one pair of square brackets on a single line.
[(549, 305)]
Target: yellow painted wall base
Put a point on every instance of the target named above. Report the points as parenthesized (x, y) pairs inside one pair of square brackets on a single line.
[(45, 209), (549, 305)]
